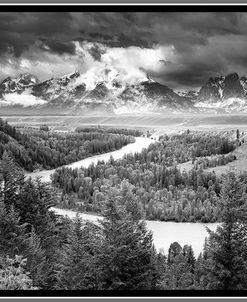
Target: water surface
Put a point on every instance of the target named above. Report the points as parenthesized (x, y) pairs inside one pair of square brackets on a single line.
[(136, 147), (164, 233)]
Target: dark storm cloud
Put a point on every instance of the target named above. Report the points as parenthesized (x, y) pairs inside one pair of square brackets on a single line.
[(95, 52), (114, 40), (57, 46), (191, 75), (18, 31), (204, 44)]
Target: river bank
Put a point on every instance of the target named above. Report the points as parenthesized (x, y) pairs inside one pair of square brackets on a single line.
[(164, 233), (139, 144)]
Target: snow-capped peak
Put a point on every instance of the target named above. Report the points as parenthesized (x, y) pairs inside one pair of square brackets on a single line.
[(19, 83)]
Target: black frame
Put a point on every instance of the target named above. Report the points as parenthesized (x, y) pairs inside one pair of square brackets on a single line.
[(60, 7)]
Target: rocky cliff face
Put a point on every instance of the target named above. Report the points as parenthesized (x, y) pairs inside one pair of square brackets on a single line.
[(222, 88), (223, 94), (18, 84)]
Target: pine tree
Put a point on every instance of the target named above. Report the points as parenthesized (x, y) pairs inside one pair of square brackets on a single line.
[(77, 267), (127, 248), (33, 204), (13, 234), (189, 255), (227, 247), (13, 275), (174, 250), (16, 240), (179, 273), (27, 226), (11, 181), (237, 134), (58, 232), (36, 260)]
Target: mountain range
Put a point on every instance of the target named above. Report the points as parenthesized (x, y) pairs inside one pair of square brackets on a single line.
[(105, 92)]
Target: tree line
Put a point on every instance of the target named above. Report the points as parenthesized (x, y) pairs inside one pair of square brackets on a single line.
[(34, 149), (131, 132)]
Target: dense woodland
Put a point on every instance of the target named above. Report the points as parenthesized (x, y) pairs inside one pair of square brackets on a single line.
[(163, 190), (45, 251), (43, 149), (40, 250)]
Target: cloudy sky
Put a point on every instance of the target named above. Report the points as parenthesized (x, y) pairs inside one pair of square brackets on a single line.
[(181, 50)]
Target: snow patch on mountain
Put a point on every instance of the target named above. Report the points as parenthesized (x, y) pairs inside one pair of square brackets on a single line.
[(229, 105), (188, 94)]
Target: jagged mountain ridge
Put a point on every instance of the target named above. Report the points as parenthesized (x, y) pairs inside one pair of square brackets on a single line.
[(18, 84), (76, 93), (225, 94)]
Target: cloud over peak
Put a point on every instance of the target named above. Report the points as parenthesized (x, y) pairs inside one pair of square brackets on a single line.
[(24, 100), (179, 49)]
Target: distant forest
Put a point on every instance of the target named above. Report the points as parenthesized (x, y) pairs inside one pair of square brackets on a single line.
[(162, 190), (44, 149)]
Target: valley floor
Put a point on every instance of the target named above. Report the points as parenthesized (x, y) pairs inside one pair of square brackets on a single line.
[(157, 124), (160, 122)]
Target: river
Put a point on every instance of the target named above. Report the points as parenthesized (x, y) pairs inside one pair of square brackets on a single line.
[(164, 233), (136, 147)]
